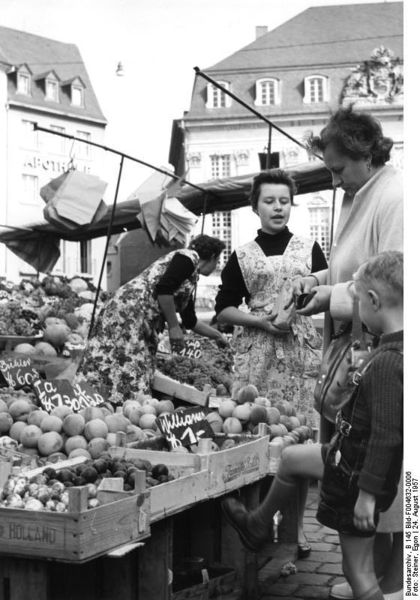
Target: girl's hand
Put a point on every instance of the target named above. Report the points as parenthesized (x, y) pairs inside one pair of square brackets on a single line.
[(364, 511), (266, 324), (319, 303), (176, 338), (222, 342), (303, 285)]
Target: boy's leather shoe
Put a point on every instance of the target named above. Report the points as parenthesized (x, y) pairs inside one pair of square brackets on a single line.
[(237, 515)]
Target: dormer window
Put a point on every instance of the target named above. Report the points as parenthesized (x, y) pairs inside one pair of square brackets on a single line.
[(267, 92), (23, 81), (216, 98), (51, 89), (77, 95), (75, 89), (316, 89)]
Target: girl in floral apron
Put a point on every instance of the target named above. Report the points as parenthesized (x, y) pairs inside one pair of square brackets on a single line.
[(281, 365), (121, 354)]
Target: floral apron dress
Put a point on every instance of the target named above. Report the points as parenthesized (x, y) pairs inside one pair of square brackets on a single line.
[(282, 367), (121, 354)]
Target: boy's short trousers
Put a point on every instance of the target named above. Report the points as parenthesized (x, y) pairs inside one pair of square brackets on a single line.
[(339, 492)]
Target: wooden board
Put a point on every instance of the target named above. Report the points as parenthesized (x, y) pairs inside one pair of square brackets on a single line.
[(74, 537), (166, 385), (189, 486), (238, 466)]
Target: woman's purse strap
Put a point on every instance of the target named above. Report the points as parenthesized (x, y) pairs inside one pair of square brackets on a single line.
[(357, 333)]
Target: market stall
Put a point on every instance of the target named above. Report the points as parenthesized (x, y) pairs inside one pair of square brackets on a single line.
[(98, 498)]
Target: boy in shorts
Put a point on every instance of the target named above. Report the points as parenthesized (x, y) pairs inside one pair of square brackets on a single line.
[(361, 466)]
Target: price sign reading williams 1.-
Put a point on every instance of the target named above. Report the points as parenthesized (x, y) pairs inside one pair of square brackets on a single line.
[(185, 427), (18, 372), (57, 392)]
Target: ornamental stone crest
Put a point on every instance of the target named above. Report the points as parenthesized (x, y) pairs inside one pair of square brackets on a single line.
[(242, 157), (375, 81), (194, 159)]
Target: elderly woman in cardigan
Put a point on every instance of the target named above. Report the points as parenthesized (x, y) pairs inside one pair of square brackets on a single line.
[(371, 221)]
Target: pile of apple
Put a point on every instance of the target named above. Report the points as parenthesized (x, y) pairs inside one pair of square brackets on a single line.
[(248, 409), (88, 433), (47, 491)]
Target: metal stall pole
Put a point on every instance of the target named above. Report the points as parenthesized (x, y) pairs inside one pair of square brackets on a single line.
[(108, 237), (250, 108)]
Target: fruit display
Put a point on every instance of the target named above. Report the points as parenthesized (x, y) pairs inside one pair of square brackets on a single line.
[(56, 309), (194, 372), (47, 491), (64, 433), (17, 320), (249, 409)]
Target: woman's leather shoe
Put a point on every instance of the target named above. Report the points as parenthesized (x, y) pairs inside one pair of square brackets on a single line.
[(304, 550)]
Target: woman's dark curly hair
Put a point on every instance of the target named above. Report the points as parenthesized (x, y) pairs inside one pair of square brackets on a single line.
[(206, 246), (270, 176), (356, 135)]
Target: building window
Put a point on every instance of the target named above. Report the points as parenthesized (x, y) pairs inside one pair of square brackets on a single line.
[(58, 143), (23, 84), (220, 165), (222, 229), (216, 98), (30, 190), (316, 89), (76, 95), (83, 150), (30, 139), (319, 227), (51, 90), (267, 92)]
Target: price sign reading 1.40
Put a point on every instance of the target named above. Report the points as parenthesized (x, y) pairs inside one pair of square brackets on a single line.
[(18, 372), (192, 349)]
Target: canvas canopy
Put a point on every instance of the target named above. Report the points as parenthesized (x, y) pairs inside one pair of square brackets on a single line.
[(38, 243)]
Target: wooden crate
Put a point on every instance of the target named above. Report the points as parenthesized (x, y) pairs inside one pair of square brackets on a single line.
[(189, 487), (79, 534), (222, 585), (235, 467), (166, 385)]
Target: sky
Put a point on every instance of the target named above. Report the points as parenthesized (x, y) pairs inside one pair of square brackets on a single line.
[(159, 42)]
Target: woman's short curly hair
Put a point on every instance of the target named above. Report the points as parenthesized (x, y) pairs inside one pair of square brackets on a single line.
[(206, 246), (356, 135), (270, 176)]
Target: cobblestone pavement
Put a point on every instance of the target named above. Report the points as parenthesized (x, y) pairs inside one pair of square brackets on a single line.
[(315, 574)]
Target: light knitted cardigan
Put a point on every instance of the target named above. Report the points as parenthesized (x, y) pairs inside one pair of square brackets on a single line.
[(369, 223)]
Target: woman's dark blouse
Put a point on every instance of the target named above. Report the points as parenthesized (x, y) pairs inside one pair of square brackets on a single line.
[(178, 270), (233, 289)]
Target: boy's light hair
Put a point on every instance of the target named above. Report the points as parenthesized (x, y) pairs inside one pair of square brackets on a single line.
[(385, 274)]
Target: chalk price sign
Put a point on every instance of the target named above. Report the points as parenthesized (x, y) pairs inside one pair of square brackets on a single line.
[(192, 349), (18, 372), (185, 427), (58, 392)]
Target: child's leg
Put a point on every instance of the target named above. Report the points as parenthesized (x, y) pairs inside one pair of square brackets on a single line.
[(300, 461), (358, 566), (393, 579)]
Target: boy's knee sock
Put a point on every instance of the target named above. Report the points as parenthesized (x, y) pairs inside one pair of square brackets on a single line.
[(375, 593), (277, 497)]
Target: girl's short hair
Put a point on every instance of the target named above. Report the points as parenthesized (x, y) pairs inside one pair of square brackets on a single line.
[(206, 246), (356, 135), (276, 176)]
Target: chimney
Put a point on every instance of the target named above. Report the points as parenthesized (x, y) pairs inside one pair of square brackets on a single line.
[(260, 30)]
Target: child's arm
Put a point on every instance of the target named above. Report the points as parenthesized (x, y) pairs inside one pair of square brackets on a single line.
[(364, 511), (383, 391)]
